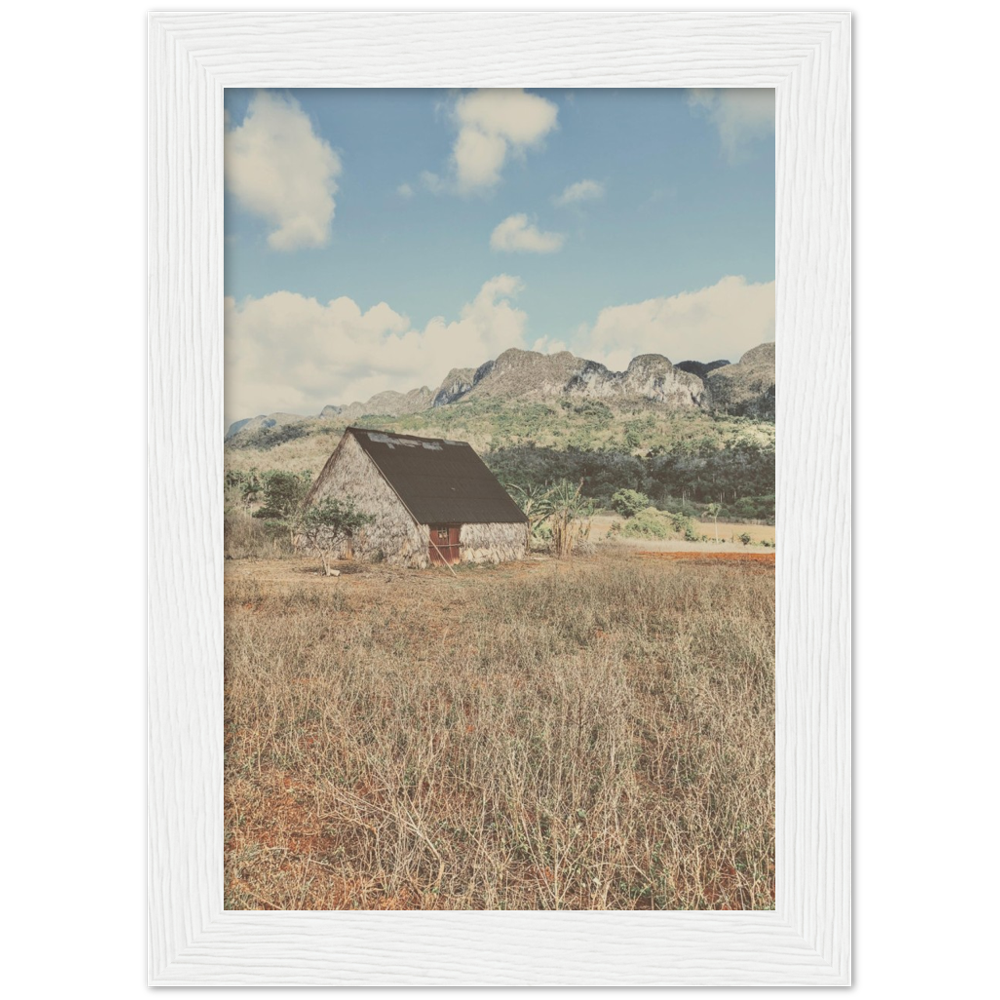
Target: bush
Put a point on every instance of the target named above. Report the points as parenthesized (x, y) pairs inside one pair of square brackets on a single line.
[(675, 505), (599, 412), (682, 524), (649, 523), (275, 530), (249, 538), (754, 508), (628, 503)]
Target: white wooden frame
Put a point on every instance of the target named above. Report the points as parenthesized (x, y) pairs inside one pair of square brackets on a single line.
[(192, 58)]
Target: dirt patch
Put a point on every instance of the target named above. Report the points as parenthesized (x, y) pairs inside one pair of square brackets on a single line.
[(712, 558)]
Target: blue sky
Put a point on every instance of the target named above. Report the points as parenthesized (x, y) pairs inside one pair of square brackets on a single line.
[(376, 239)]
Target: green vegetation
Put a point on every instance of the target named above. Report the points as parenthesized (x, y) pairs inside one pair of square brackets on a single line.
[(682, 461), (558, 515), (648, 524), (279, 493), (568, 517), (739, 478), (628, 503), (327, 522), (713, 510), (283, 493), (590, 425), (266, 438)]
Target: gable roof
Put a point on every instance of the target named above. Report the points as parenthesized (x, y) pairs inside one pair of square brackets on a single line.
[(439, 481)]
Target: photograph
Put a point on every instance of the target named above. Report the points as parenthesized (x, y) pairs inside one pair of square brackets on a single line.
[(499, 499)]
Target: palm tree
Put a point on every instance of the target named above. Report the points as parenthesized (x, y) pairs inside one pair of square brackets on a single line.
[(713, 510), (569, 514)]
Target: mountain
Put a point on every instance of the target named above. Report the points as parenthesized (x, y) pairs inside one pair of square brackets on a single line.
[(534, 377), (458, 382), (743, 389), (746, 389), (700, 368), (252, 424), (396, 403)]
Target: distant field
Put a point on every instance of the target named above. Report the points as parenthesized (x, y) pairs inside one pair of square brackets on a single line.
[(592, 734), (728, 535)]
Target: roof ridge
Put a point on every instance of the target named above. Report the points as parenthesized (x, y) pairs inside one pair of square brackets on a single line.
[(376, 430), (412, 437)]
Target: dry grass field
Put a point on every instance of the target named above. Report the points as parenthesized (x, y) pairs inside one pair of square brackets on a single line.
[(589, 734)]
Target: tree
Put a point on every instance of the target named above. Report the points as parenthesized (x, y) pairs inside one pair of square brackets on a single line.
[(530, 499), (251, 484), (628, 503), (568, 513), (713, 510), (283, 492), (325, 524), (559, 512)]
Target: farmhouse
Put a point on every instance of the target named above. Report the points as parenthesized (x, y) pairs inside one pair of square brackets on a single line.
[(433, 501)]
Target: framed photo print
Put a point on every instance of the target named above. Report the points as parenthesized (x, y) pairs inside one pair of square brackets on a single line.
[(499, 537)]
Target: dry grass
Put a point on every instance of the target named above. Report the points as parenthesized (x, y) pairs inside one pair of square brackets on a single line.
[(590, 735)]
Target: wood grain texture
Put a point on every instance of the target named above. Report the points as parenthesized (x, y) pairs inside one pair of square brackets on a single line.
[(192, 58)]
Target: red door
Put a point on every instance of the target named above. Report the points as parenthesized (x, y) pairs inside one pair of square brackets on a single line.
[(444, 546)]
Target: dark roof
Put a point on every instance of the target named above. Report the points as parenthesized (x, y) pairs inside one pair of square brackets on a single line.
[(439, 481)]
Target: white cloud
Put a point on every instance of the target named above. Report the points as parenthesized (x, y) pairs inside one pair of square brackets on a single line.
[(515, 233), (492, 124), (280, 170), (545, 346), (719, 322), (581, 191), (285, 352), (432, 182), (741, 116), (479, 158), (404, 191)]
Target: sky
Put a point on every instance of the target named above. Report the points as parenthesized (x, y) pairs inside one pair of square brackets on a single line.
[(376, 239)]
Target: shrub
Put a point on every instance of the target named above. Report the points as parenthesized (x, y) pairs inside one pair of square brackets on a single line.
[(249, 538), (649, 523), (682, 524), (628, 503), (675, 505), (755, 508)]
